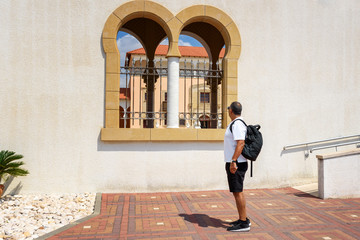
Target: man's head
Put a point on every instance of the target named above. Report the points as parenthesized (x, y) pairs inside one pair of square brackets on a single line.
[(235, 109)]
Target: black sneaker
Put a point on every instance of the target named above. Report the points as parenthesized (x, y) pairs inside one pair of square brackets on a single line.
[(238, 221), (242, 226)]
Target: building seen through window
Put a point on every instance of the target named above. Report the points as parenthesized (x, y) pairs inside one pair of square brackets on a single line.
[(199, 89)]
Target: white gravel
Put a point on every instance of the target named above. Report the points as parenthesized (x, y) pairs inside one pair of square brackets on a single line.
[(33, 215)]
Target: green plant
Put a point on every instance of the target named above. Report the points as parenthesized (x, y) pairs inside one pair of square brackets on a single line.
[(9, 166)]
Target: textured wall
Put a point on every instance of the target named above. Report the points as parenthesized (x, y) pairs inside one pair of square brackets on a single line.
[(297, 76)]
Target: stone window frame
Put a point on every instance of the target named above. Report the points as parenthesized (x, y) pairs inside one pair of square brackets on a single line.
[(172, 25)]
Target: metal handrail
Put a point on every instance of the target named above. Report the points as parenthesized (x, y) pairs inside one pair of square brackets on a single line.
[(320, 141), (335, 145)]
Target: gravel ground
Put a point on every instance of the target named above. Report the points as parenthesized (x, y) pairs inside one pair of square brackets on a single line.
[(33, 215)]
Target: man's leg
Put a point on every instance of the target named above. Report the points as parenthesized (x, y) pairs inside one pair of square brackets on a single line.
[(241, 205), (243, 224)]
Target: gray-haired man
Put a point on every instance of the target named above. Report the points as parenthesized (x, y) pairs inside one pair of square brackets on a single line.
[(236, 166)]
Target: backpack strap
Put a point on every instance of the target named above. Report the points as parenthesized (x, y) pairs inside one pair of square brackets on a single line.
[(251, 167), (231, 125), (251, 162)]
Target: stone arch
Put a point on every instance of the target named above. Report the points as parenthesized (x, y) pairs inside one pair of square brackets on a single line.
[(119, 17), (217, 18), (231, 36), (172, 25)]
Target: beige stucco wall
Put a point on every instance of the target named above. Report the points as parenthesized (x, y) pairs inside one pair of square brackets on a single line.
[(297, 77)]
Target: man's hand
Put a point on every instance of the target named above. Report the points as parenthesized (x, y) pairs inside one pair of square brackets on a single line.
[(239, 147), (233, 167)]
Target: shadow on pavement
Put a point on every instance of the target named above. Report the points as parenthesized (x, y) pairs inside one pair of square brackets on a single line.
[(204, 220)]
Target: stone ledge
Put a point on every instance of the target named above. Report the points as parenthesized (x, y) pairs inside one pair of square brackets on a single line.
[(161, 135), (338, 174), (338, 154)]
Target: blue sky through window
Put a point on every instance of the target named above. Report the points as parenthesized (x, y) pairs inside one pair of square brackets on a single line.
[(126, 42)]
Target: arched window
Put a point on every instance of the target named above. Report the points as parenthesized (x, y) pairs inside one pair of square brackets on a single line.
[(195, 87), (210, 25)]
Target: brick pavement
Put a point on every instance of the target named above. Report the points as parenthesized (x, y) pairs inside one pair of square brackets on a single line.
[(284, 213)]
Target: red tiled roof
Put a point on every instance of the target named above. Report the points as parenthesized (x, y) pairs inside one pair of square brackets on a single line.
[(184, 51), (124, 93)]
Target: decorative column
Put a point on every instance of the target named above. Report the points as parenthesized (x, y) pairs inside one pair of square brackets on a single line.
[(173, 93)]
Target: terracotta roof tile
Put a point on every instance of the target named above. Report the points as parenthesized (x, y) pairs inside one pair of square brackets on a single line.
[(185, 51), (124, 93)]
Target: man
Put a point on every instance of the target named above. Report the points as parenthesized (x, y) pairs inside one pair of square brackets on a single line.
[(236, 165)]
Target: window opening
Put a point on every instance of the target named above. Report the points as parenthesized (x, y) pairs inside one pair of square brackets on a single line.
[(204, 80), (204, 121), (196, 78), (144, 80), (199, 77), (205, 97), (125, 42)]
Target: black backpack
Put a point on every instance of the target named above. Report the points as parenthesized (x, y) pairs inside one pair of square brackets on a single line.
[(253, 142)]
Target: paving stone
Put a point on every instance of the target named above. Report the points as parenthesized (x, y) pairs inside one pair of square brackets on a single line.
[(275, 214)]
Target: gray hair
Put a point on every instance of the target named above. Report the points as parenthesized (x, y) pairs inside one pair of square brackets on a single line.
[(236, 107)]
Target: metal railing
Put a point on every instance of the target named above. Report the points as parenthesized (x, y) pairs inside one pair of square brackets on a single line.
[(146, 87), (336, 145), (327, 143)]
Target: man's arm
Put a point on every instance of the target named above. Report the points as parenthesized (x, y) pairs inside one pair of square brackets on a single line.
[(239, 147)]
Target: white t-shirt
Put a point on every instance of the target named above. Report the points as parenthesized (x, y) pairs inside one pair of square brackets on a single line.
[(238, 133)]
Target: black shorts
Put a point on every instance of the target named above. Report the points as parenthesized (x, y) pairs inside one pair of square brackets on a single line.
[(236, 181)]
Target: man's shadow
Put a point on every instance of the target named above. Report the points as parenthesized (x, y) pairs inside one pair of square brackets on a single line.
[(204, 220)]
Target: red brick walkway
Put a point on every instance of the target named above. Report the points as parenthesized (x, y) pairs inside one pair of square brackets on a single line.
[(275, 214)]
